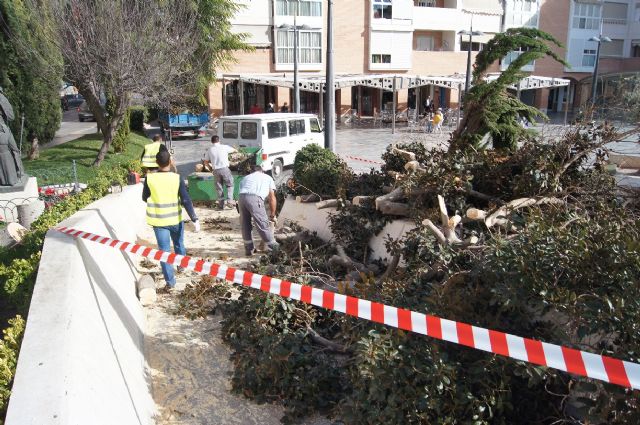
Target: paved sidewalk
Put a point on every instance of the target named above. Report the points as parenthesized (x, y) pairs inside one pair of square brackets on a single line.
[(70, 129)]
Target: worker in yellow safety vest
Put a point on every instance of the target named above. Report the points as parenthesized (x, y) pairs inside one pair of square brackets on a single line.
[(165, 194), (148, 157)]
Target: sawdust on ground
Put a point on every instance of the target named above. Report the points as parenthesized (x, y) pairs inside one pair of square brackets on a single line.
[(188, 364)]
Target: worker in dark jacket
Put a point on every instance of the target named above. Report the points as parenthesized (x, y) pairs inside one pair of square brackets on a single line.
[(165, 194)]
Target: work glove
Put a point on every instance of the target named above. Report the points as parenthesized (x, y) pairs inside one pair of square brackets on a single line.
[(196, 225)]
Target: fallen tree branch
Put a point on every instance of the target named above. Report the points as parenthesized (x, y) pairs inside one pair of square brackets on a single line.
[(331, 345), (499, 217), (329, 203), (390, 270)]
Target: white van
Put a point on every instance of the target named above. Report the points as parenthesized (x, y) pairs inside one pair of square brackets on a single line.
[(280, 135)]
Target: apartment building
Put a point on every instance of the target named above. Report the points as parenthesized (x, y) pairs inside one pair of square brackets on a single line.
[(415, 38)]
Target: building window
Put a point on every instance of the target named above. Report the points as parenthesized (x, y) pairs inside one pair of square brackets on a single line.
[(309, 46), (614, 48), (475, 47), (382, 9), (424, 43), (513, 55), (614, 13), (425, 3), (586, 16), (305, 7), (380, 58), (589, 57)]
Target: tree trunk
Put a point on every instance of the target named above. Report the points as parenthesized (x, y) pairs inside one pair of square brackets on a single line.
[(108, 123), (34, 152)]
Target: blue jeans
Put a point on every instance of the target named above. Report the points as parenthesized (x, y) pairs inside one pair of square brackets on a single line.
[(164, 236)]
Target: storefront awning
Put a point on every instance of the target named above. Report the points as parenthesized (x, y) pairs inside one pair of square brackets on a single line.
[(315, 82)]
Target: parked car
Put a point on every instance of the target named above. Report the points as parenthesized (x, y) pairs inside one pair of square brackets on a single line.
[(84, 113), (279, 135), (74, 100)]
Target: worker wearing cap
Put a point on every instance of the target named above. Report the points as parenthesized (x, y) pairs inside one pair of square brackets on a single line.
[(255, 188), (149, 153), (165, 194)]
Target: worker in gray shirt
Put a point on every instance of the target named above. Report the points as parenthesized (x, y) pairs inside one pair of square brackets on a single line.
[(255, 188), (218, 156)]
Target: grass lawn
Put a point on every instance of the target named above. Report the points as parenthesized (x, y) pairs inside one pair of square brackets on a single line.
[(55, 164)]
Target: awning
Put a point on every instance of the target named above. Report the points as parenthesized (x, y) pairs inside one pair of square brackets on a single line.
[(635, 43), (487, 7), (315, 82), (484, 38)]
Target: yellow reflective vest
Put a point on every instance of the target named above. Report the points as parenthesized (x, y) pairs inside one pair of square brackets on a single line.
[(150, 152), (163, 206)]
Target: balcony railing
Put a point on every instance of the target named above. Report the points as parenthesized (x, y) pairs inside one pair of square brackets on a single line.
[(425, 3), (614, 21)]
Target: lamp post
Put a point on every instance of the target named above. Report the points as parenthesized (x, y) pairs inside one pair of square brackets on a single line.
[(594, 83), (296, 85), (330, 98), (470, 33)]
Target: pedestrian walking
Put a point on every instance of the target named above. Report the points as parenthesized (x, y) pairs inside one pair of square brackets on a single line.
[(149, 153), (284, 108), (165, 194), (217, 156), (255, 188)]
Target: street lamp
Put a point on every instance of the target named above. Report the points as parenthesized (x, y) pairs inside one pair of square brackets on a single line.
[(470, 33), (594, 83)]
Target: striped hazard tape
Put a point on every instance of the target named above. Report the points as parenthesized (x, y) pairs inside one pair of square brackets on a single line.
[(566, 359), (370, 161)]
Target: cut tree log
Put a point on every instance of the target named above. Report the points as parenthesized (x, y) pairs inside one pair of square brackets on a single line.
[(414, 167), (312, 197), (406, 155), (330, 203), (395, 195), (393, 208), (448, 224), (361, 199), (446, 233), (500, 217)]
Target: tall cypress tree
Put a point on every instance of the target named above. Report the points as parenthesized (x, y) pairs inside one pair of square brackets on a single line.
[(30, 72)]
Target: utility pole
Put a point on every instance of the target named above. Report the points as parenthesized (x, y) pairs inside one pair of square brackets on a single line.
[(296, 85), (330, 105)]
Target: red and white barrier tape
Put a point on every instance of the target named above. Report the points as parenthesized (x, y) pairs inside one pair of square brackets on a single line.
[(370, 161), (566, 359)]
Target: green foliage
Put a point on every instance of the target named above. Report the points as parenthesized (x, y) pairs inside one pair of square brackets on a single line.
[(566, 273), (83, 151), (489, 108), (321, 171), (138, 115), (9, 349), (275, 360), (217, 42), (30, 72), (121, 136)]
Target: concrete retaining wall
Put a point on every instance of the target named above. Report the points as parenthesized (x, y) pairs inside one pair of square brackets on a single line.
[(82, 358)]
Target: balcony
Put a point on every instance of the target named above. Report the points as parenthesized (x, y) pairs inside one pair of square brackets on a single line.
[(437, 18), (449, 19)]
